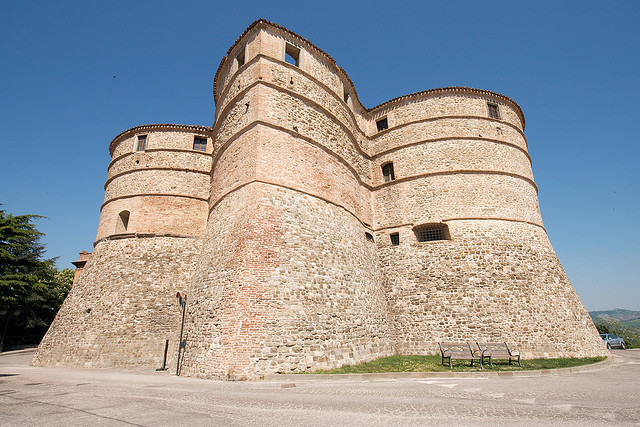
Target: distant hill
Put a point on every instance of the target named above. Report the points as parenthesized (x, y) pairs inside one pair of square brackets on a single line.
[(617, 315)]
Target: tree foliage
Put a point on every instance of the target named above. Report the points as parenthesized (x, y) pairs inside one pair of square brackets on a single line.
[(31, 288), (630, 334)]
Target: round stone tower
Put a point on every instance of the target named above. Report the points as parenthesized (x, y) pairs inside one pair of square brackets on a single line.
[(290, 279), (465, 254), (123, 307)]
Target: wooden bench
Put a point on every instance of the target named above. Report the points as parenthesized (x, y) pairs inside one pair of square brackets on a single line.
[(497, 350), (457, 351)]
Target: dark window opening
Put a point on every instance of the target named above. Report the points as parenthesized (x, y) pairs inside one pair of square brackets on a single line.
[(142, 143), (493, 111), (382, 124), (123, 222), (292, 55), (200, 143), (369, 236), (395, 238), (387, 172), (345, 94), (432, 232), (240, 58)]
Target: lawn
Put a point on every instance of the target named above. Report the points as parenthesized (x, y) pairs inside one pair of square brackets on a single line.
[(416, 363)]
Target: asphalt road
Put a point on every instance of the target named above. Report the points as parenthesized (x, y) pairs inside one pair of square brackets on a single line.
[(606, 395)]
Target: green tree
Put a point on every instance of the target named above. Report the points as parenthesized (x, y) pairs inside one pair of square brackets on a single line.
[(31, 288)]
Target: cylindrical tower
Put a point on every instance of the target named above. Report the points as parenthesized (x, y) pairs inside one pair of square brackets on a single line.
[(289, 280), (123, 306), (465, 254)]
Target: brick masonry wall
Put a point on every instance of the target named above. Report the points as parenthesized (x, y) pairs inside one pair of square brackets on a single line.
[(289, 284), (165, 187)]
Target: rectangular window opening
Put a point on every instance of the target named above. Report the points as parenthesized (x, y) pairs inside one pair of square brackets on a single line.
[(142, 143), (432, 232), (493, 111), (345, 94), (388, 173), (240, 58), (382, 124), (395, 238), (200, 143), (292, 54)]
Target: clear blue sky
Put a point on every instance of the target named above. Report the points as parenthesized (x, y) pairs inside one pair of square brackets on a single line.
[(75, 74)]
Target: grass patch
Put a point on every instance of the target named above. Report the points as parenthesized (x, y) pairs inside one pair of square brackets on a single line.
[(416, 363)]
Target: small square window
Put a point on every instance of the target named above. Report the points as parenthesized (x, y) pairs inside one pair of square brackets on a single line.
[(200, 143), (493, 111), (292, 54), (382, 124), (387, 172), (142, 143), (395, 238)]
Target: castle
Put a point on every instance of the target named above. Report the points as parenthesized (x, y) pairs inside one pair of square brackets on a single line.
[(308, 231)]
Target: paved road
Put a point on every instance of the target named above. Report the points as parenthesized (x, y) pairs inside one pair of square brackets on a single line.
[(59, 396)]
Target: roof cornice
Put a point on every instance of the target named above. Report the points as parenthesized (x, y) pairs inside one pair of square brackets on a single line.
[(155, 127), (463, 90)]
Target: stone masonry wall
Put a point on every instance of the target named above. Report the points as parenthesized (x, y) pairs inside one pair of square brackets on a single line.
[(123, 306), (289, 283), (494, 281)]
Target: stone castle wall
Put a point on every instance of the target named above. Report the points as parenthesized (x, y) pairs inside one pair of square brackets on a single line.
[(280, 231), (123, 306)]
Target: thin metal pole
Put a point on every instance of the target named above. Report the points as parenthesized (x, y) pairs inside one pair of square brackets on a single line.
[(183, 302)]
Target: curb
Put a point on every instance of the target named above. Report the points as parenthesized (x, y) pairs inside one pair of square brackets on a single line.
[(24, 350), (417, 375)]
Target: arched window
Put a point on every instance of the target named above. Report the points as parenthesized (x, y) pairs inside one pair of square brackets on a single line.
[(123, 222), (387, 172)]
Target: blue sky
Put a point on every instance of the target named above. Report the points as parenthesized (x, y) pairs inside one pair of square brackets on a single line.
[(75, 74)]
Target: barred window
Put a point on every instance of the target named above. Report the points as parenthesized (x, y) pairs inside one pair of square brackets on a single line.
[(382, 124), (431, 232), (395, 238), (493, 111), (387, 172), (200, 143), (142, 143)]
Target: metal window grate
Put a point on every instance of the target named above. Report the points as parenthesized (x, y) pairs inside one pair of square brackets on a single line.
[(493, 111), (200, 143), (432, 232), (395, 239), (382, 124)]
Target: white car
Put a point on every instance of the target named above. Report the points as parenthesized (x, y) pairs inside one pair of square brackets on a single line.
[(613, 341)]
